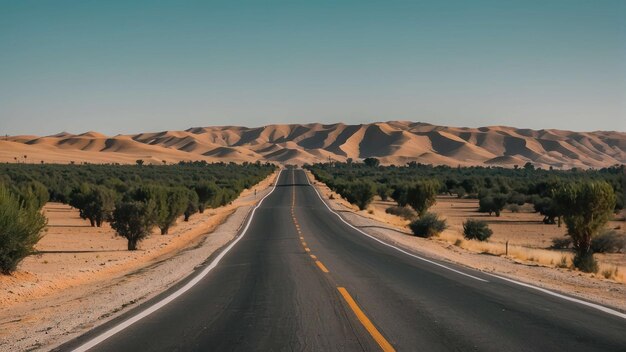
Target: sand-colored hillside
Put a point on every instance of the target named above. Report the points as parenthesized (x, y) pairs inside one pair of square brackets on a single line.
[(393, 142)]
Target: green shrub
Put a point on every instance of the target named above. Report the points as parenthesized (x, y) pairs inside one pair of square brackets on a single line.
[(360, 193), (561, 243), (21, 224), (422, 195), (428, 225), (405, 212), (609, 241), (476, 230)]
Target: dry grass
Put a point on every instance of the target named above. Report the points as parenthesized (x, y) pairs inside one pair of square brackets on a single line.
[(529, 239)]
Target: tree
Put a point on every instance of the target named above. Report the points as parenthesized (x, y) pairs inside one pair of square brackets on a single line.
[(371, 162), (192, 204), (95, 203), (422, 195), (175, 206), (492, 204), (21, 224), (207, 192), (133, 220), (139, 162), (360, 193), (400, 194), (547, 207), (586, 207), (35, 193), (383, 191)]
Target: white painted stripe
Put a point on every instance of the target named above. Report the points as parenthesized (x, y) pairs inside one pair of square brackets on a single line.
[(567, 298), (390, 245), (126, 323)]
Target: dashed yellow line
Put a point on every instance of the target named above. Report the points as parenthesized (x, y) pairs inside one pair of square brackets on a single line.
[(307, 249), (367, 323), (321, 266), (312, 256)]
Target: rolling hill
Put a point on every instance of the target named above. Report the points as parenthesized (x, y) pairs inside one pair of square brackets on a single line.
[(393, 142)]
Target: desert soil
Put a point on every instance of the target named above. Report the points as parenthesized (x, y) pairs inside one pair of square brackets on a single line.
[(83, 276), (528, 261)]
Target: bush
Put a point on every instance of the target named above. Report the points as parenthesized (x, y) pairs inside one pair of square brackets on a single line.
[(359, 193), (21, 224), (405, 212), (561, 243), (608, 242), (422, 195), (513, 208), (476, 230), (428, 225)]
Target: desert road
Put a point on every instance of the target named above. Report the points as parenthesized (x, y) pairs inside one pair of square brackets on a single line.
[(301, 279)]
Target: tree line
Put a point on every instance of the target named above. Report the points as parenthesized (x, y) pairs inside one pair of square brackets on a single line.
[(584, 199), (133, 199)]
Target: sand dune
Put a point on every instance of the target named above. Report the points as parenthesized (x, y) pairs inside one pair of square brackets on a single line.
[(393, 142)]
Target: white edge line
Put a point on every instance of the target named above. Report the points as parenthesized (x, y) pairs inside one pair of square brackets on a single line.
[(546, 291), (126, 323), (567, 298), (390, 245)]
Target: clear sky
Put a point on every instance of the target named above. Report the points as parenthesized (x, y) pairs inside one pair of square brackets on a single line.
[(132, 66)]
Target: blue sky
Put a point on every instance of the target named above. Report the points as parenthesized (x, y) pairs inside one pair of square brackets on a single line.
[(131, 66)]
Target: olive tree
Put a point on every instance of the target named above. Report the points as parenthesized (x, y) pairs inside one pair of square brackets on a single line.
[(422, 195), (21, 225), (586, 207), (360, 193), (133, 220), (176, 203), (207, 193), (94, 202), (192, 204)]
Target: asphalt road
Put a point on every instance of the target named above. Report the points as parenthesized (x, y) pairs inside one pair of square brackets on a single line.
[(301, 279)]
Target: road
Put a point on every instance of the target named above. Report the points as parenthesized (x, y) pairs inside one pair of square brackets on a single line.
[(301, 279)]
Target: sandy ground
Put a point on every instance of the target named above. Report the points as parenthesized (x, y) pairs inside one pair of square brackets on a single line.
[(523, 230), (83, 276)]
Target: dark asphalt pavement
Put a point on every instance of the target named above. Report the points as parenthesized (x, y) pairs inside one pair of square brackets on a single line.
[(269, 294)]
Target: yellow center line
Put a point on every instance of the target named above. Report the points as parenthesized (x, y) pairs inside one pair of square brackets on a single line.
[(307, 249), (378, 337), (301, 237), (304, 243), (321, 266)]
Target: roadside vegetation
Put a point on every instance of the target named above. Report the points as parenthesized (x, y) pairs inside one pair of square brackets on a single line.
[(585, 200), (134, 199)]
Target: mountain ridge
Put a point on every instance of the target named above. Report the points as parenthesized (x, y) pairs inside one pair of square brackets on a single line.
[(393, 142)]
